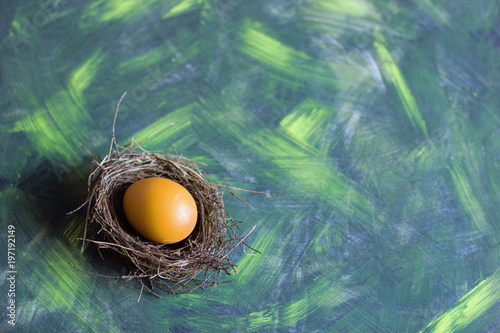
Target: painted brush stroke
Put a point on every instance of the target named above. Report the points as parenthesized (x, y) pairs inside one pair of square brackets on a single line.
[(375, 124), (394, 74)]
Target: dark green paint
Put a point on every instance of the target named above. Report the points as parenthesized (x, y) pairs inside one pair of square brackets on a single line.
[(375, 123)]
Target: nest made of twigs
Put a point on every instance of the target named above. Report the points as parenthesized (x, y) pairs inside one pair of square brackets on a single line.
[(196, 262)]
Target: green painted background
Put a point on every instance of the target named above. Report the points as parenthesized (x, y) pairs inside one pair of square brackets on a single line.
[(375, 123)]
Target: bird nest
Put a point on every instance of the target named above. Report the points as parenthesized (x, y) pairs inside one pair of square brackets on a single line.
[(199, 261)]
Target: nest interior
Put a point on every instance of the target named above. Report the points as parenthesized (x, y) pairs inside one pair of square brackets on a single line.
[(196, 262)]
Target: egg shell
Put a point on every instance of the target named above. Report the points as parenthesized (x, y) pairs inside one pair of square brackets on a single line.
[(160, 210)]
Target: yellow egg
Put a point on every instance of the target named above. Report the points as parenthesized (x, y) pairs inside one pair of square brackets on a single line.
[(160, 210)]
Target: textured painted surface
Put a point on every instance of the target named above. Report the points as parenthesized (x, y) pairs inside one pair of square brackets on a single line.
[(375, 123)]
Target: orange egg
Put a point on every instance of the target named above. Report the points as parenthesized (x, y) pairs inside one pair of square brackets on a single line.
[(160, 210)]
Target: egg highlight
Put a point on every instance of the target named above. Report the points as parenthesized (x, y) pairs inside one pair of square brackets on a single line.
[(160, 210)]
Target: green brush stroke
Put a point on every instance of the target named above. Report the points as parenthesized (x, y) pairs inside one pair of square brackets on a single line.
[(254, 42), (74, 230), (372, 228), (45, 278), (310, 169), (272, 244), (308, 123), (111, 10), (467, 197), (81, 78), (46, 137), (319, 128), (182, 7), (469, 308), (172, 128), (395, 75), (323, 295), (257, 44), (157, 62), (61, 287), (51, 126), (430, 8), (261, 320), (358, 8)]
